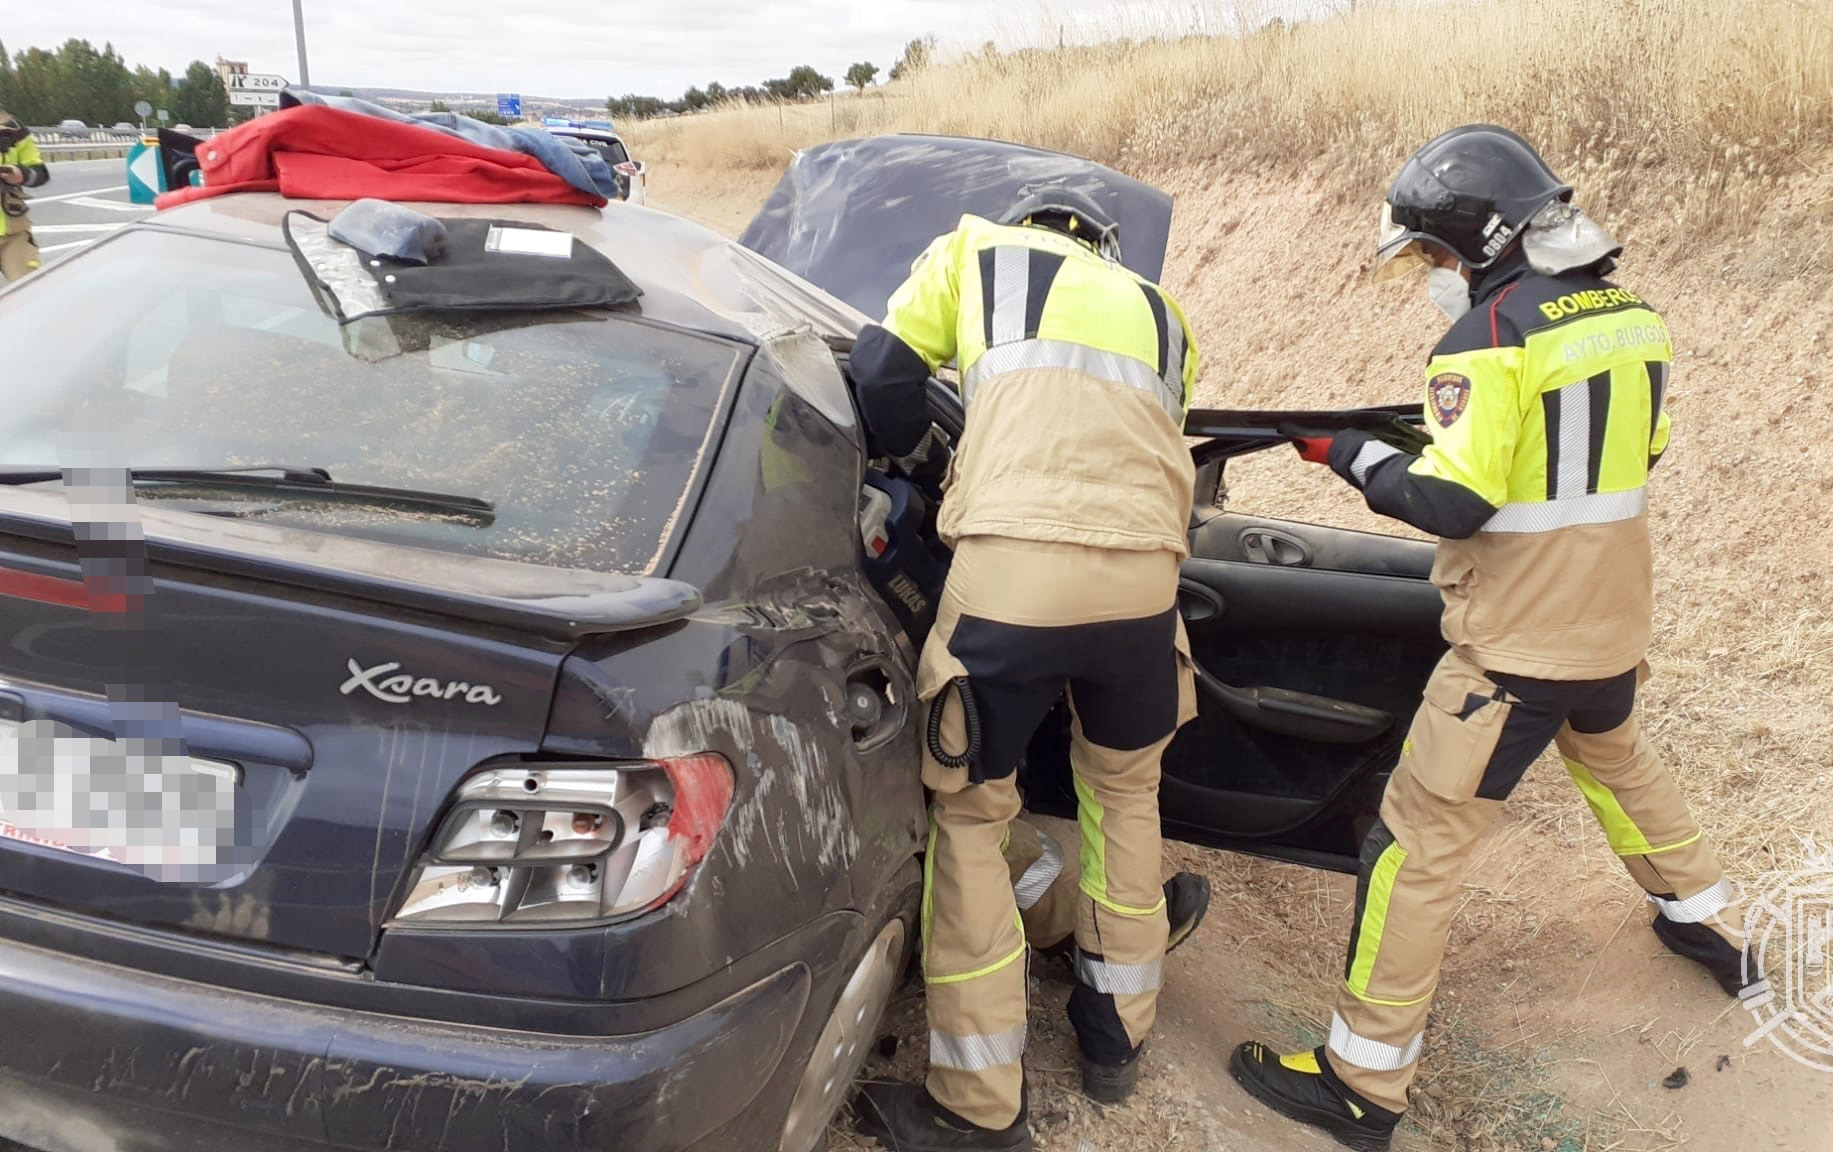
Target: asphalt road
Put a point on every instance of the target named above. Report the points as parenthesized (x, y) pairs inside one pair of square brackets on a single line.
[(85, 201)]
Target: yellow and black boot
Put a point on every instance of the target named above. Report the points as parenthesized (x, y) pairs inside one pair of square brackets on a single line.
[(1303, 1087), (1713, 952), (906, 1118)]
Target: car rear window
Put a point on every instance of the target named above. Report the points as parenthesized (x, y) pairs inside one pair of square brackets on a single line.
[(585, 430)]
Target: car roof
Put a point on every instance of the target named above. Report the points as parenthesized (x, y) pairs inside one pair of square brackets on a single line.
[(691, 276), (584, 133)]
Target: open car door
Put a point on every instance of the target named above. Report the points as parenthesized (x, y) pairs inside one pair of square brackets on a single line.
[(1313, 645)]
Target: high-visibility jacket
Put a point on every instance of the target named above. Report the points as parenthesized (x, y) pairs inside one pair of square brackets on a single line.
[(24, 156), (1075, 372), (1545, 405)]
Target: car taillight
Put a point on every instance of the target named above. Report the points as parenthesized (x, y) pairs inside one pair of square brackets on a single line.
[(534, 844)]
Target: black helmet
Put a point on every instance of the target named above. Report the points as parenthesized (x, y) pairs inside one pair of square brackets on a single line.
[(1469, 192), (11, 130), (1060, 208)]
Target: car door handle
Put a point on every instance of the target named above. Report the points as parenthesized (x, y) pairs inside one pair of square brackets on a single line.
[(1271, 546)]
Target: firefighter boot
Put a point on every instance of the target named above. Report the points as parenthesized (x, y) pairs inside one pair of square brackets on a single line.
[(1709, 950), (1303, 1087), (906, 1118)]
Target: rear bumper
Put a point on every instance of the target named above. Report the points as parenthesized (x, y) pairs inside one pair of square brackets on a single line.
[(94, 1056)]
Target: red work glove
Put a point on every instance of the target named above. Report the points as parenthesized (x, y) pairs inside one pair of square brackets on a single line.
[(1315, 449)]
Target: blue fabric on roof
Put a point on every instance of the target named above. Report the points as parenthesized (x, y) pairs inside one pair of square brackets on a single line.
[(574, 161)]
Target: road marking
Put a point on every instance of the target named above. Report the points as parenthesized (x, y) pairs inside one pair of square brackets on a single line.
[(50, 229), (61, 247), (109, 205), (75, 195)]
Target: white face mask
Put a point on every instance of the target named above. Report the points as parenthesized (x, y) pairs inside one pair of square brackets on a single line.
[(1449, 290)]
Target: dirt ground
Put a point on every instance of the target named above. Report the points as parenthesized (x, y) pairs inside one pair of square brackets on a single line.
[(1559, 1016)]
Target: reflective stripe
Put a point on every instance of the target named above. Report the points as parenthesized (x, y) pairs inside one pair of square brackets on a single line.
[(1698, 908), (1570, 409), (976, 1053), (1119, 979), (1040, 876), (1374, 916), (1372, 453), (1099, 363), (1551, 516), (1371, 1054), (1174, 357), (1011, 279)]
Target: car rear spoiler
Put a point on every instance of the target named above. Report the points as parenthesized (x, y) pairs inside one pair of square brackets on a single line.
[(555, 604), (1228, 432)]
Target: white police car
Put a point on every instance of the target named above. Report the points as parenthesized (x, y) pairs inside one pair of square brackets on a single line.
[(602, 135)]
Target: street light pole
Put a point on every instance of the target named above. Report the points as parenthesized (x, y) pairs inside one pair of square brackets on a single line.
[(305, 77)]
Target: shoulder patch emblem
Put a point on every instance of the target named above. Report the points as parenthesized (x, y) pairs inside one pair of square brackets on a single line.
[(1450, 395)]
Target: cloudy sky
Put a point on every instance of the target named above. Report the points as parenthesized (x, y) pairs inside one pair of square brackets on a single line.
[(575, 48)]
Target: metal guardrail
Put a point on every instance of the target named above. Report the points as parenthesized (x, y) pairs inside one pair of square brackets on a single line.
[(103, 136), (95, 143)]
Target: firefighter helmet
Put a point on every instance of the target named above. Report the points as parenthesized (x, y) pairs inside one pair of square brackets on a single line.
[(1469, 193), (1074, 213)]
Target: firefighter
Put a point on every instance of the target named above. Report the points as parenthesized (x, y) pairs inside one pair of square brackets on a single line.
[(1545, 408), (21, 167), (1067, 509)]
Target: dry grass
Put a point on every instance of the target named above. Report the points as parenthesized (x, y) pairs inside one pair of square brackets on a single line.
[(1697, 109)]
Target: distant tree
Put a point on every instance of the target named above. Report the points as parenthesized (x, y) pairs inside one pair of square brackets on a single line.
[(635, 107), (345, 92), (439, 106), (37, 89), (487, 115), (201, 99), (716, 93), (918, 54), (861, 74), (694, 99)]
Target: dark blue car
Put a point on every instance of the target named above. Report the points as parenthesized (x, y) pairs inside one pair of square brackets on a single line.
[(540, 721)]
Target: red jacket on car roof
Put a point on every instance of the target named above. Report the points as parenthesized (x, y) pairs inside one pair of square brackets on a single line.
[(316, 153)]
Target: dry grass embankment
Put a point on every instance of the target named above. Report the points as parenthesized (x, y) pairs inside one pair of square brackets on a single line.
[(1695, 109), (1703, 133)]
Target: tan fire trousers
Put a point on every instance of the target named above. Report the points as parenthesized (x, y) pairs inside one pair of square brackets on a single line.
[(1473, 738), (18, 251), (1021, 621)]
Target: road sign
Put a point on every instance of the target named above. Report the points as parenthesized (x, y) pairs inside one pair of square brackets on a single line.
[(164, 116), (509, 105), (145, 175), (256, 82), (142, 109), (249, 99)]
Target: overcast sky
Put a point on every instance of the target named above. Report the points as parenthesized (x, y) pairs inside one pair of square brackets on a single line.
[(572, 48)]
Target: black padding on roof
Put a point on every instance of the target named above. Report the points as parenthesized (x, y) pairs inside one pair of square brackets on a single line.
[(476, 273)]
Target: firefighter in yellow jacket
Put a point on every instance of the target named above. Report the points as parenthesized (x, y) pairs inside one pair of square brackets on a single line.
[(1545, 404), (1067, 509), (21, 167)]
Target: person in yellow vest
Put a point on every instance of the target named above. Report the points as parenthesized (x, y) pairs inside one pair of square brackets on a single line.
[(1067, 509), (1546, 405), (21, 167)]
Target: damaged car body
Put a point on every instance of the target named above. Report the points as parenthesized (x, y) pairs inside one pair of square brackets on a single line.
[(563, 672)]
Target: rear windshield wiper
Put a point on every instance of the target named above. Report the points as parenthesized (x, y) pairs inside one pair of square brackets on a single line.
[(283, 478)]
